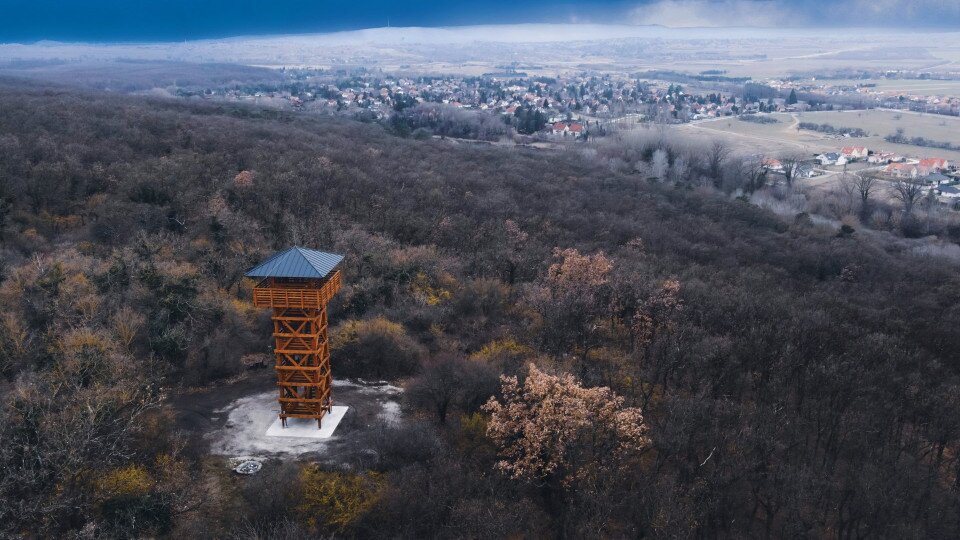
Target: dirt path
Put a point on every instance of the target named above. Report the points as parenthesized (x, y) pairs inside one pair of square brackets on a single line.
[(796, 123)]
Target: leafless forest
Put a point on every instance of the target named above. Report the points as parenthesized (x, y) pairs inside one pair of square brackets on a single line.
[(595, 343)]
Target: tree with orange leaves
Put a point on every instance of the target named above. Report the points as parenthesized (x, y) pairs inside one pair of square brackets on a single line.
[(572, 300), (553, 431)]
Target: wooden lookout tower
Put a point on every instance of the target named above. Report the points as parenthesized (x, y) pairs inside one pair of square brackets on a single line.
[(297, 284)]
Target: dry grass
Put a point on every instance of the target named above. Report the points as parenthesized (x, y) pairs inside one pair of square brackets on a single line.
[(777, 138)]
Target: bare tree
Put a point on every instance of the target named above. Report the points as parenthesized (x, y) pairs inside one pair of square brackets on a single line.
[(846, 194), (679, 170), (662, 121), (450, 382), (660, 164), (716, 156), (908, 191), (755, 170), (864, 185), (794, 167)]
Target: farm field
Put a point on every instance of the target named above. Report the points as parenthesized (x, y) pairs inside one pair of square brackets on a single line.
[(783, 136), (882, 123), (905, 85)]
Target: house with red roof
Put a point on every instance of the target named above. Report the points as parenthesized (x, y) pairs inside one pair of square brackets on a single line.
[(563, 128), (773, 165), (854, 152), (907, 170), (937, 164), (903, 170)]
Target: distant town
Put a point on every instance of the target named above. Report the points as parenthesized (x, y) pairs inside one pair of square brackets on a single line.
[(584, 96), (578, 107)]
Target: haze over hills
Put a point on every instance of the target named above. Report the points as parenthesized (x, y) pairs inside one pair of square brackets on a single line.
[(475, 49), (518, 33)]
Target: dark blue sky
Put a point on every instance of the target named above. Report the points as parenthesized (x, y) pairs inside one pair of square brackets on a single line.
[(175, 20)]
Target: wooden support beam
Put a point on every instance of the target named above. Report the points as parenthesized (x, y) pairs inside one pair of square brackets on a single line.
[(304, 379)]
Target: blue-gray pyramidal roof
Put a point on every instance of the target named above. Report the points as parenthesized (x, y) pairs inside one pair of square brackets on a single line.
[(297, 262)]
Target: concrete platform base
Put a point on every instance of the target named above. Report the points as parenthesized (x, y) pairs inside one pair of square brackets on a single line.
[(306, 428), (242, 424)]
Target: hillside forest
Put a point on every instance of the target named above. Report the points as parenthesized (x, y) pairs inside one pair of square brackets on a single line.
[(584, 351)]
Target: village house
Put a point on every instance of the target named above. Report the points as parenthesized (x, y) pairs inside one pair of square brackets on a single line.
[(937, 179), (882, 158), (949, 192), (907, 170), (773, 165), (563, 128), (832, 158), (936, 164), (854, 153)]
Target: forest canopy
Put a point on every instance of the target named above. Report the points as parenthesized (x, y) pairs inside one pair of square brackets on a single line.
[(749, 374)]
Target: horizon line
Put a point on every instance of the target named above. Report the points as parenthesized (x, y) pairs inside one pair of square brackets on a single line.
[(773, 29)]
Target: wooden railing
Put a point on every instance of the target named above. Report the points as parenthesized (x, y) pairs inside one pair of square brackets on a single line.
[(289, 297)]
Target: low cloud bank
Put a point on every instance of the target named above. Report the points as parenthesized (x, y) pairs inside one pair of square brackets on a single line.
[(777, 13)]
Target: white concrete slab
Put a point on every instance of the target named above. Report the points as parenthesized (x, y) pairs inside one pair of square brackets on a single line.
[(306, 428)]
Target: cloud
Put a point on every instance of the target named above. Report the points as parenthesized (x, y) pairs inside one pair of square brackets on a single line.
[(712, 13), (777, 13), (893, 11)]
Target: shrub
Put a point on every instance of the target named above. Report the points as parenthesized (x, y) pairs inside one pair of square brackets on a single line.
[(128, 506), (132, 480), (376, 348), (831, 130), (756, 119), (337, 500), (448, 383)]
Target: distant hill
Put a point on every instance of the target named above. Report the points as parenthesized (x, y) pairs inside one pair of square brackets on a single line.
[(376, 46), (138, 75)]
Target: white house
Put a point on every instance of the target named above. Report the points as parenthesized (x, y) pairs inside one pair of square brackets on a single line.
[(883, 158), (832, 158), (853, 153)]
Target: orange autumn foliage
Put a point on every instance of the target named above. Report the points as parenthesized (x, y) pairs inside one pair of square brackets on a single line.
[(552, 428)]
